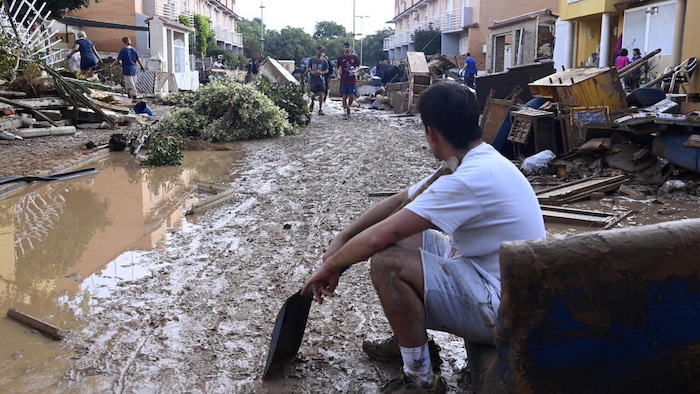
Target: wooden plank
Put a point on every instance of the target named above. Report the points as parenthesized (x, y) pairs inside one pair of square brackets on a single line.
[(579, 190), (417, 64), (43, 327)]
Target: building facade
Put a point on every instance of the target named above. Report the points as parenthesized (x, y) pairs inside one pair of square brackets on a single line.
[(130, 17), (463, 24), (603, 27), (523, 39)]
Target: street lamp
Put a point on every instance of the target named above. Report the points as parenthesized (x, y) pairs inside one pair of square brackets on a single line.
[(362, 37), (353, 26), (262, 29)]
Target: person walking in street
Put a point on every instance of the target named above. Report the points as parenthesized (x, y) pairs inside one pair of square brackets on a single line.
[(347, 65), (434, 263), (469, 70), (89, 58), (129, 58), (318, 68)]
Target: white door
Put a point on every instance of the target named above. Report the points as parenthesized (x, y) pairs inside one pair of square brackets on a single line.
[(507, 56)]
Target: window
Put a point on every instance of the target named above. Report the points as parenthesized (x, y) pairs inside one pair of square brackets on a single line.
[(179, 52)]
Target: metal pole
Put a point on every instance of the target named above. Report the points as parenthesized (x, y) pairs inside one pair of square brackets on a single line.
[(353, 25), (262, 29)]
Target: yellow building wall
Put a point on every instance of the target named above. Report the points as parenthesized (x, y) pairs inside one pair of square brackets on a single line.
[(584, 8), (586, 44), (691, 45)]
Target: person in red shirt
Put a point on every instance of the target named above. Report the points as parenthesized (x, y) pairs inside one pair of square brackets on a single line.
[(347, 66)]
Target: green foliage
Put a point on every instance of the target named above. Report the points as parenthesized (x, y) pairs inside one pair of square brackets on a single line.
[(329, 30), (290, 43), (164, 149), (427, 41), (204, 34), (58, 8), (183, 122), (226, 111), (238, 111), (181, 99), (9, 51), (289, 97), (373, 47), (250, 30)]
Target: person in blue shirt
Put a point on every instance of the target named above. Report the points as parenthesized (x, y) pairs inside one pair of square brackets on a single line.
[(89, 58), (129, 58), (469, 69)]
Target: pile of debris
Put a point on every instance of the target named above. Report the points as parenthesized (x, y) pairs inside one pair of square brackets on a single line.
[(66, 105)]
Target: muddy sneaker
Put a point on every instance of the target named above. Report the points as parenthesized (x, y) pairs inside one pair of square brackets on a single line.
[(388, 350), (311, 107), (345, 116), (320, 112), (406, 385), (347, 112)]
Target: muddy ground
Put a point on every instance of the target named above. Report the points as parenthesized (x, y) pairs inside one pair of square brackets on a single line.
[(202, 322)]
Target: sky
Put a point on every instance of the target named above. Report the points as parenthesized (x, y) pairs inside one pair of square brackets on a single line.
[(304, 14)]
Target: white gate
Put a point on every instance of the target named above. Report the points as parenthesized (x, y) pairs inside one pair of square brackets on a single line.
[(21, 21)]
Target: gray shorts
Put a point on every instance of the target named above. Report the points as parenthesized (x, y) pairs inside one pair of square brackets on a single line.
[(458, 299)]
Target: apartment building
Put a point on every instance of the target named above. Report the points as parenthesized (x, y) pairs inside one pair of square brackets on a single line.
[(603, 26), (108, 21), (463, 24)]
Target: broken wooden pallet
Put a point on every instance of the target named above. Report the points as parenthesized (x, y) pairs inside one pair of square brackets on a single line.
[(579, 190), (582, 216)]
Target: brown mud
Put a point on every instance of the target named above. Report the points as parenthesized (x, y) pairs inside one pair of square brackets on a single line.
[(201, 321)]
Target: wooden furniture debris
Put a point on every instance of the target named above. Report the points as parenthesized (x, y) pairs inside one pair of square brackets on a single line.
[(579, 190), (220, 194), (43, 327), (533, 131), (583, 87), (582, 216), (580, 117), (418, 78), (494, 114)]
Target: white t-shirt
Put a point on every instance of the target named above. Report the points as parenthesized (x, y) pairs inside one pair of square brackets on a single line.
[(485, 202)]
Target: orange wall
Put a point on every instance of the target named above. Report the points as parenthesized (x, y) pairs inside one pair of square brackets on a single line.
[(112, 11), (691, 45)]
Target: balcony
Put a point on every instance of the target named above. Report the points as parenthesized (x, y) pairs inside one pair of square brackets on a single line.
[(172, 10), (450, 21), (228, 36)]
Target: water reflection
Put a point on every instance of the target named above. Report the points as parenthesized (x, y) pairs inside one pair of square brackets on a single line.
[(65, 243)]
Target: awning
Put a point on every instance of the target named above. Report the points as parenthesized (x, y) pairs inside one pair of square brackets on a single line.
[(72, 21)]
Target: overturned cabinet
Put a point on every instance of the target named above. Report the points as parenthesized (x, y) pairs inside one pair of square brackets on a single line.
[(582, 87)]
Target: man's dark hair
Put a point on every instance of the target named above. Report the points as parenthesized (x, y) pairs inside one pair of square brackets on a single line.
[(624, 52), (453, 110)]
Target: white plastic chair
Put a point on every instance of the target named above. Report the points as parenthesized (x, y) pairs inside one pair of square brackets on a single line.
[(680, 77)]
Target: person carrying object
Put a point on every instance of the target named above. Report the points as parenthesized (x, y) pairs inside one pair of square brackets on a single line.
[(434, 263), (129, 58), (347, 65), (89, 58)]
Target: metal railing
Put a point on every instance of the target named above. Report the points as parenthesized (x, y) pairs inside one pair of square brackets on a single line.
[(447, 21), (173, 9)]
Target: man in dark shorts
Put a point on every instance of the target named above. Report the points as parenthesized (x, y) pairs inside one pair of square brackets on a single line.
[(348, 64), (318, 68)]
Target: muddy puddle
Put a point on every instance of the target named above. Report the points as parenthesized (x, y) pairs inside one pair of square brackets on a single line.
[(66, 244)]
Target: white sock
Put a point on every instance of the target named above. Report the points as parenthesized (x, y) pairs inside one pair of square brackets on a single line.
[(416, 364)]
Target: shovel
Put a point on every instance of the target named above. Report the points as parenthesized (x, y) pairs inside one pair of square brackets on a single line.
[(291, 319)]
